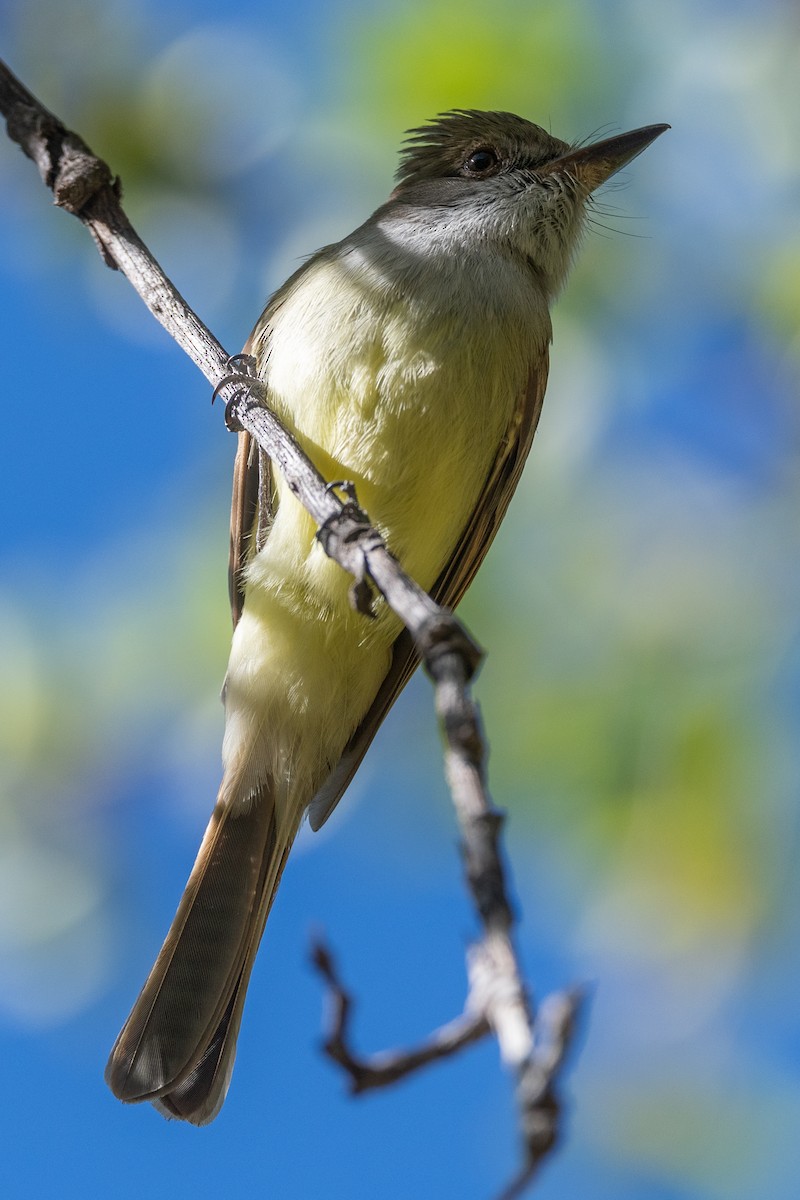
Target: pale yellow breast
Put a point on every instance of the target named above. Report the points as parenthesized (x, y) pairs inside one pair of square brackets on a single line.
[(410, 404), (407, 402)]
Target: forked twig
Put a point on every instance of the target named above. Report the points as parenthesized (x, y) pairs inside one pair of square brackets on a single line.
[(387, 1067)]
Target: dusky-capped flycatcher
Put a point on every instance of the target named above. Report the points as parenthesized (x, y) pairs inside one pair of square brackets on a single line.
[(411, 359)]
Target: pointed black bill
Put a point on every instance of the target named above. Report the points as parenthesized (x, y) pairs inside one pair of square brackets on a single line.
[(593, 165)]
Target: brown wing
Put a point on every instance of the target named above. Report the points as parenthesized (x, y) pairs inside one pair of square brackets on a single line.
[(244, 504), (449, 588), (251, 500)]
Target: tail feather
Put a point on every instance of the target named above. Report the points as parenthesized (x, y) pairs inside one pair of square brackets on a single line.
[(199, 1097), (178, 1044)]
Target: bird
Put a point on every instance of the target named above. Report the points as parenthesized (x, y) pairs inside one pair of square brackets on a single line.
[(409, 359)]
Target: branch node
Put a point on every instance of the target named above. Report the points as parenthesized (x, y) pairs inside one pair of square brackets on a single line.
[(66, 164), (449, 652), (80, 175)]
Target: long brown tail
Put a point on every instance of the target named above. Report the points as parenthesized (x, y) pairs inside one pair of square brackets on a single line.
[(178, 1045)]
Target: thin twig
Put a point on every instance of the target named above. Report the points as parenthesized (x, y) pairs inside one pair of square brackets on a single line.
[(84, 185), (389, 1066)]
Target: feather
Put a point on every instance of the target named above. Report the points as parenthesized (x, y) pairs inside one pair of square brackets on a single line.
[(181, 1033)]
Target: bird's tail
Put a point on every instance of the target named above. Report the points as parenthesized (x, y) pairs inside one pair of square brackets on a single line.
[(178, 1045)]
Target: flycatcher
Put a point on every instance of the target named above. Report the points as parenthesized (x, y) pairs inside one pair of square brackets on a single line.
[(411, 359)]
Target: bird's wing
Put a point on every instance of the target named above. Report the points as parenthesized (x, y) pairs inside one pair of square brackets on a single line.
[(469, 553), (244, 505)]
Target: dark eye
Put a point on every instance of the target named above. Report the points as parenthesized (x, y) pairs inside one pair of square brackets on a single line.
[(481, 161)]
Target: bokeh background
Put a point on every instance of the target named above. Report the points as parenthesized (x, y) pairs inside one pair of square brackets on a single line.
[(640, 608)]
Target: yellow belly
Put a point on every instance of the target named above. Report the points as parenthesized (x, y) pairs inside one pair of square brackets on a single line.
[(412, 411)]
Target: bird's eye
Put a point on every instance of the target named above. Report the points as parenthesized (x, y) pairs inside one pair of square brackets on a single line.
[(481, 161)]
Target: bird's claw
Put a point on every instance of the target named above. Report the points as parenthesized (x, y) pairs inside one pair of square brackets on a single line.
[(242, 372)]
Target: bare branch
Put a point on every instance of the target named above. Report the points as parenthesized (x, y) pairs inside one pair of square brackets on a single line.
[(380, 1070), (533, 1050), (537, 1079)]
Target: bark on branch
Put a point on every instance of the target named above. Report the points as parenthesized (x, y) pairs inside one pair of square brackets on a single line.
[(532, 1048)]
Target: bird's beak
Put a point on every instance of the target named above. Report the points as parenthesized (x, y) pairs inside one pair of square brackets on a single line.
[(593, 165)]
